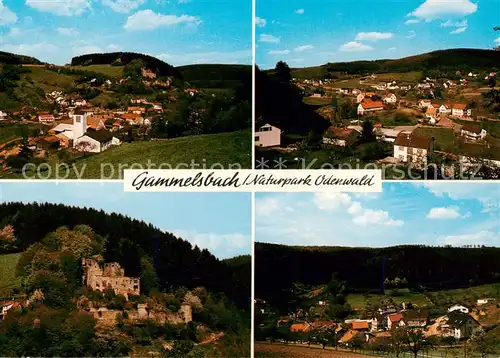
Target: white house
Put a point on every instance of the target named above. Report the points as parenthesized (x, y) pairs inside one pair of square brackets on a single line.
[(46, 118), (360, 97), (461, 325), (3, 116), (482, 301), (424, 103), (412, 148), (458, 308), (390, 98), (369, 106), (460, 110), (268, 136), (473, 132), (395, 320), (445, 109)]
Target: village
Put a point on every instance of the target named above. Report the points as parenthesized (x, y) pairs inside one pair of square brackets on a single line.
[(380, 328), (412, 120), (77, 126)]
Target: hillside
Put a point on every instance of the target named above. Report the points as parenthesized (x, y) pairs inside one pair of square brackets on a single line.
[(122, 59), (203, 150), (8, 279), (237, 77), (279, 267), (128, 241), (453, 59), (14, 59)]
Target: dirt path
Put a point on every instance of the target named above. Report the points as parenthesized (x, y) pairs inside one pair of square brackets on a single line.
[(213, 338)]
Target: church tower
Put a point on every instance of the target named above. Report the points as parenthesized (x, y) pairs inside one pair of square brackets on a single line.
[(79, 125)]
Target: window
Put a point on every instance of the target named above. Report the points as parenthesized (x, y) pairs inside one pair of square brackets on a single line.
[(256, 138)]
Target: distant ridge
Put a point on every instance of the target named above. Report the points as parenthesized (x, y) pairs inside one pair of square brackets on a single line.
[(122, 59), (462, 58), (15, 59)]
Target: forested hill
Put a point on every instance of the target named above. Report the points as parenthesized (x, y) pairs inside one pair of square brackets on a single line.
[(123, 58), (128, 240), (431, 268), (218, 76), (14, 59), (452, 60)]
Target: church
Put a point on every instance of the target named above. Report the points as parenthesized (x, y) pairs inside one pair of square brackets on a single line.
[(83, 137)]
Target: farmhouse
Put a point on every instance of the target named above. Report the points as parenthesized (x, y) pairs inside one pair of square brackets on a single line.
[(412, 148), (395, 320), (342, 137), (268, 136), (461, 325), (424, 103), (445, 109), (390, 98), (416, 318), (46, 118), (369, 106), (460, 110), (112, 276), (473, 132)]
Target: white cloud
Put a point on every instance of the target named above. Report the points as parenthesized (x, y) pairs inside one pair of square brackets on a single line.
[(6, 15), (438, 9), (411, 34), (84, 50), (15, 31), (443, 213), (450, 23), (412, 21), (67, 31), (149, 20), (61, 8), (123, 6), (260, 22), (484, 237), (190, 58), (376, 217), (354, 46), (279, 52), (35, 50), (304, 48), (497, 40), (113, 47), (299, 11), (459, 30), (373, 36), (391, 49), (336, 202), (267, 206), (269, 38)]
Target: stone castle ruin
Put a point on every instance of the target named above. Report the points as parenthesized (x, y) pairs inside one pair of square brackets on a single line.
[(112, 276)]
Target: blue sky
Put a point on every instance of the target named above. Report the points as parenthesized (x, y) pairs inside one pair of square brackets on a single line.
[(404, 213), (308, 33), (220, 222), (177, 31)]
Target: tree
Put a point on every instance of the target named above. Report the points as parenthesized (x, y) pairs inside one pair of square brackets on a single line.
[(134, 69), (149, 281), (367, 134), (484, 345), (338, 308), (415, 340), (496, 28), (85, 147), (283, 72)]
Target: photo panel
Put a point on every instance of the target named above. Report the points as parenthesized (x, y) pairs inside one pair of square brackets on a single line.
[(87, 270), (412, 91), (409, 272), (91, 88)]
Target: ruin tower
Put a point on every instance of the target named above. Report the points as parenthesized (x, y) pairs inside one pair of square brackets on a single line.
[(187, 313)]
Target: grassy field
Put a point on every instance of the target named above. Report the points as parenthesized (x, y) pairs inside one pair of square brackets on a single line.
[(317, 72), (108, 70), (445, 139), (359, 301), (207, 151), (316, 101), (266, 350), (46, 79), (404, 77), (9, 132), (8, 280)]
